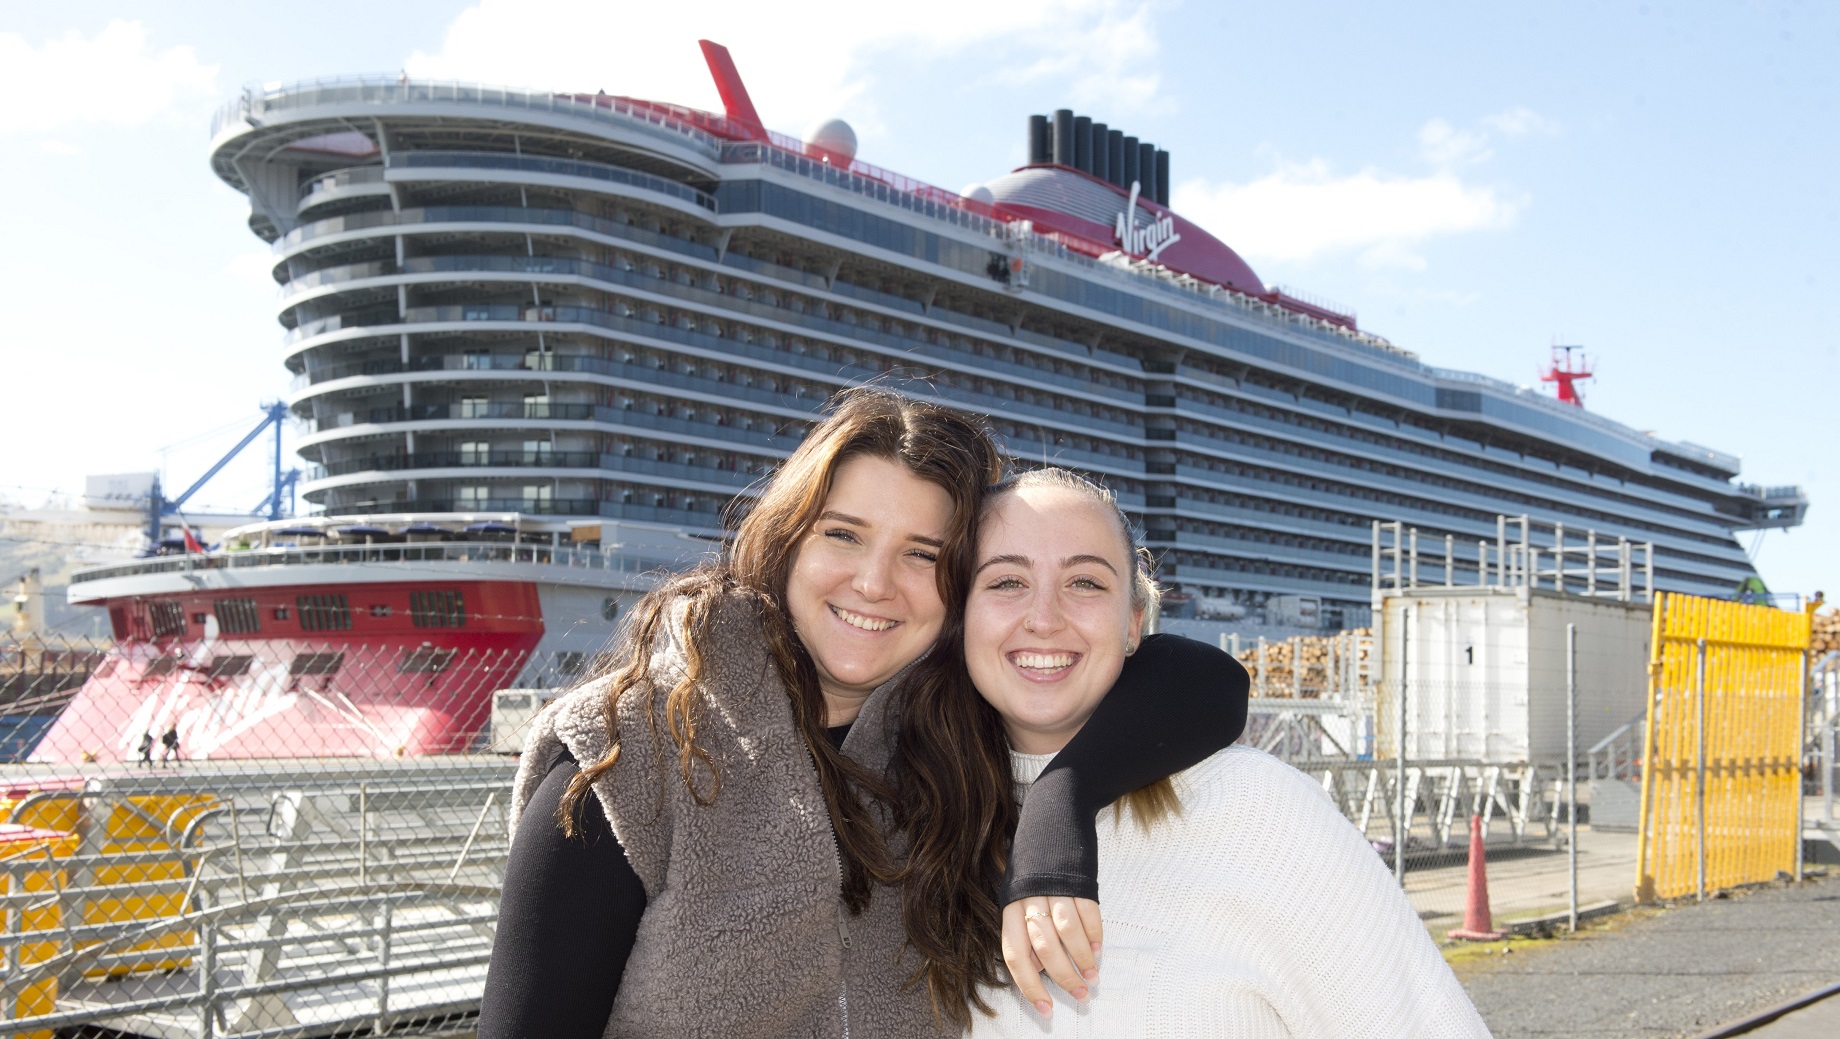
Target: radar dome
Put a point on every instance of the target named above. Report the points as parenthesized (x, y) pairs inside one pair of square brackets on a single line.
[(977, 193), (833, 141)]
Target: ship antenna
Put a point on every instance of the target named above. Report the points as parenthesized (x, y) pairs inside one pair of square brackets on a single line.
[(1566, 371)]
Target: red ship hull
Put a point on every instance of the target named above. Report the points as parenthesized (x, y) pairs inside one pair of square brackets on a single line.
[(378, 670)]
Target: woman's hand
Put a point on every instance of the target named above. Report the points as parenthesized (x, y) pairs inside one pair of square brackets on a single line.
[(1058, 935)]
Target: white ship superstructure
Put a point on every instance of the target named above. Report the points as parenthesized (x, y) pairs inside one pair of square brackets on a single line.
[(598, 307)]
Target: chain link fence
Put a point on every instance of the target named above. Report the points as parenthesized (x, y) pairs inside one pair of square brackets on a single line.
[(230, 839)]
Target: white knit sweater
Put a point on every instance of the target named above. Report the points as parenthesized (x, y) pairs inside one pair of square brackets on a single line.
[(1258, 912)]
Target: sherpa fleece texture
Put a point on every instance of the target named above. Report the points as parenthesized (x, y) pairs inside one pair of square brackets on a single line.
[(745, 933)]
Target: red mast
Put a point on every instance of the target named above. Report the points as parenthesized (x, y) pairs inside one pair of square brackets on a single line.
[(737, 105), (1566, 374)]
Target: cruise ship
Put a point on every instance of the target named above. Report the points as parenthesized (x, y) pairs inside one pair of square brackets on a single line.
[(588, 317), (599, 306)]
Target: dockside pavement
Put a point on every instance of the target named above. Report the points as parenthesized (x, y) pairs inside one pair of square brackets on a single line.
[(1655, 972)]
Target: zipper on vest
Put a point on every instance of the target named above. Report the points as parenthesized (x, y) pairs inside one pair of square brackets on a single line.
[(843, 995)]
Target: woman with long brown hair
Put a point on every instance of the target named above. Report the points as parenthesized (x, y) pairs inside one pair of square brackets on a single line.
[(1239, 901), (705, 837)]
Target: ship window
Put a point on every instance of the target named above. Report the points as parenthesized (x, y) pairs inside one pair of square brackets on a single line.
[(437, 609), (167, 618), (237, 616), (425, 660), (316, 664), (160, 666), (230, 667), (324, 612), (571, 662)]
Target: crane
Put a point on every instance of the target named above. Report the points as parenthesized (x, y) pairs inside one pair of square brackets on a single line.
[(159, 506)]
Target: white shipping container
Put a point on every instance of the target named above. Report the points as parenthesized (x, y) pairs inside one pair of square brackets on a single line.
[(1484, 672)]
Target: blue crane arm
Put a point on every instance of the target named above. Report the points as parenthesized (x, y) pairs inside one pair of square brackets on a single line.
[(276, 412)]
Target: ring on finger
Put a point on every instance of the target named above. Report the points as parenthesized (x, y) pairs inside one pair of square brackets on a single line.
[(1034, 914)]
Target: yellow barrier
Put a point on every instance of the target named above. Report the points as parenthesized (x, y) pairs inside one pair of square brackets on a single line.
[(134, 825), (1721, 777), (29, 857)]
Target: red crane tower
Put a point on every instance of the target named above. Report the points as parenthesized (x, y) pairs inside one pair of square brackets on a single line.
[(1567, 371)]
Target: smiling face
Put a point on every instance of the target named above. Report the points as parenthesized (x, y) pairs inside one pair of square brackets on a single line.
[(1049, 613), (862, 592)]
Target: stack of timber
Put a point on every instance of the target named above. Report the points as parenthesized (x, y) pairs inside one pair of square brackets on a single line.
[(1826, 632), (1309, 666)]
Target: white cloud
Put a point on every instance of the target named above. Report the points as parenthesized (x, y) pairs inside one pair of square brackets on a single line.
[(1442, 144), (59, 148), (802, 61), (1519, 122), (112, 77), (1304, 211)]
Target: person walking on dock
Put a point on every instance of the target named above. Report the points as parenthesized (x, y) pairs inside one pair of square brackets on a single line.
[(146, 749), (170, 744)]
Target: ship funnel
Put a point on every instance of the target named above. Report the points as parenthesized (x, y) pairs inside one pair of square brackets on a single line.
[(1067, 138)]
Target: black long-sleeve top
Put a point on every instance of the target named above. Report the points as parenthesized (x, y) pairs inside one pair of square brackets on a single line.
[(1176, 702)]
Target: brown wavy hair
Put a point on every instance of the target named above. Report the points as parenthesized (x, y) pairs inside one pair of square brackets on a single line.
[(953, 776), (937, 445)]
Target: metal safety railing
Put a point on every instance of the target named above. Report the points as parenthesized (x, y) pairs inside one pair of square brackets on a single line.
[(255, 898), (1574, 562)]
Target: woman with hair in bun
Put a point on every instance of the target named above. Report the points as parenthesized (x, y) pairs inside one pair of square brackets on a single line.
[(707, 840)]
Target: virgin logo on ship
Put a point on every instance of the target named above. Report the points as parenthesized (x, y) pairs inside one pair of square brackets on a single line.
[(1146, 241)]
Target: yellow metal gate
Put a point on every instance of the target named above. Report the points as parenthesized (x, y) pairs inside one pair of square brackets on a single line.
[(1721, 778)]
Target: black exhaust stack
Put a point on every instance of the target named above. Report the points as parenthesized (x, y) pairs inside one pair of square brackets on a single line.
[(1041, 141), (1075, 141), (1063, 137)]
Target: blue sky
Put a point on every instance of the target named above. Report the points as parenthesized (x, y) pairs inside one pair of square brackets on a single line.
[(1651, 180)]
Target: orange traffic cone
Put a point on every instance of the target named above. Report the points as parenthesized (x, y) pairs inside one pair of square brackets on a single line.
[(1477, 925)]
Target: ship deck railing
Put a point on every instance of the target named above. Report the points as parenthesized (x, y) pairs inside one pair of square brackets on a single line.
[(569, 556)]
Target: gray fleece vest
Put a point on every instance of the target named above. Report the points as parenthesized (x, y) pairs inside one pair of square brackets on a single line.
[(744, 933)]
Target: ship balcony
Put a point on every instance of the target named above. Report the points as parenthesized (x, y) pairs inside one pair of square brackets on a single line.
[(535, 505), (1772, 508), (548, 171), (740, 432), (465, 220), (500, 317), (797, 400), (360, 185), (707, 519), (472, 464), (927, 343)]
